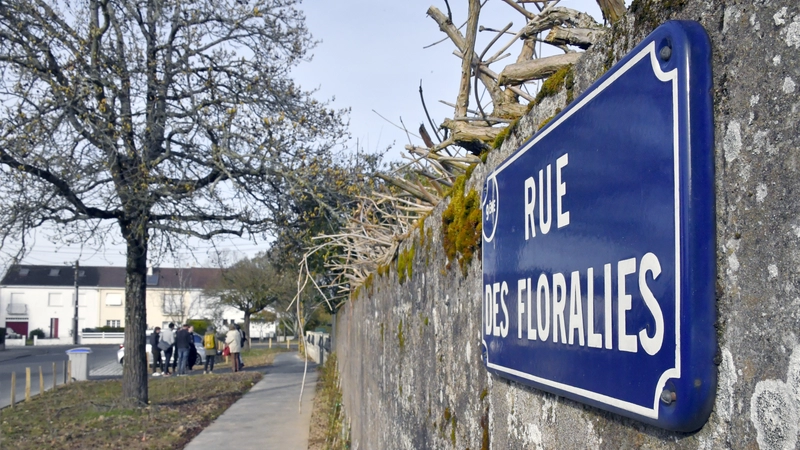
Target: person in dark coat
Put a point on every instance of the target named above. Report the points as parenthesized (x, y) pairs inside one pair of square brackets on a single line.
[(155, 338), (183, 340), (192, 350)]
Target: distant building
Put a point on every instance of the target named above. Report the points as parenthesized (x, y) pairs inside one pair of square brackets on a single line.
[(42, 297)]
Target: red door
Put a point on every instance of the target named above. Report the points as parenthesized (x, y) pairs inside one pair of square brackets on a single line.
[(54, 328), (18, 327)]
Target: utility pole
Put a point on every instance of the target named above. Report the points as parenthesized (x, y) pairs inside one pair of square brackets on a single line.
[(75, 319)]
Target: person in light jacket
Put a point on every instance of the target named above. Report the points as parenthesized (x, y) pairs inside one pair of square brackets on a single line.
[(168, 336), (234, 341)]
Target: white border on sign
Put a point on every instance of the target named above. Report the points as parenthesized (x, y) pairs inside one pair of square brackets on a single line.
[(675, 372)]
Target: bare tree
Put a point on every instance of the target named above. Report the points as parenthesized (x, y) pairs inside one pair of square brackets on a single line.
[(250, 285), (180, 302), (156, 120)]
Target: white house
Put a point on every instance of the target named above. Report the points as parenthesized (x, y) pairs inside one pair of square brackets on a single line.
[(43, 297)]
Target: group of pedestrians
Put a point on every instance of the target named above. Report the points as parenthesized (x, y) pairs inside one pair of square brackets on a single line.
[(181, 342)]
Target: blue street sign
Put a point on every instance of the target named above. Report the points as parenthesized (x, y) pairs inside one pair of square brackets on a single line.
[(599, 242)]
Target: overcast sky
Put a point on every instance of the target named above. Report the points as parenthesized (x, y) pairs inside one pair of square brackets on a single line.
[(371, 58)]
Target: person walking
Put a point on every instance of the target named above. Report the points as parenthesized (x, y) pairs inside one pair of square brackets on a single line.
[(192, 359), (168, 336), (244, 340), (210, 345), (234, 341), (183, 339), (155, 338)]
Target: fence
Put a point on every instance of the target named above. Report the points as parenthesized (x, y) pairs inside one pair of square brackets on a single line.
[(318, 345), (15, 342), (102, 338), (48, 379)]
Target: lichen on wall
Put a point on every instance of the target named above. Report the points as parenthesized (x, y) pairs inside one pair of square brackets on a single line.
[(396, 391)]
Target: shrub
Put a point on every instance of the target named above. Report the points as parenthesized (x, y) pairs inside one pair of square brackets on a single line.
[(37, 332), (200, 325)]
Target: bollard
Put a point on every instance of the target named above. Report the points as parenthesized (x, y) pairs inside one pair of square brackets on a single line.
[(270, 342), (54, 375), (41, 380), (65, 373), (287, 342), (27, 384), (13, 388)]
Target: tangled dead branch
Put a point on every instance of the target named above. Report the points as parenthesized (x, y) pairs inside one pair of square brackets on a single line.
[(410, 191)]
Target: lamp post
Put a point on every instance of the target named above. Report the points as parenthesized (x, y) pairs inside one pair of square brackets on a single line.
[(75, 318)]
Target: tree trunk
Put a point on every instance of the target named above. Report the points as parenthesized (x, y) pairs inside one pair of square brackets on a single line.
[(246, 329), (134, 371)]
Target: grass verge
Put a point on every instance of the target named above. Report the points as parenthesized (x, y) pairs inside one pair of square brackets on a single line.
[(90, 414), (329, 430)]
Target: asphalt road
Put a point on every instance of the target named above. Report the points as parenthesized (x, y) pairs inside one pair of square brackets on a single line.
[(16, 360), (102, 364)]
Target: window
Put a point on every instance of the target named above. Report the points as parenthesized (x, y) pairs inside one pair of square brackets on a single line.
[(113, 323), (24, 272), (16, 305), (114, 299), (54, 272), (152, 280), (54, 299)]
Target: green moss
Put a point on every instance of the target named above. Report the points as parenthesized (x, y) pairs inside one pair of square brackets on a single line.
[(485, 429), (426, 321), (564, 78), (381, 332), (501, 137), (368, 283), (453, 431), (400, 337), (383, 270), (484, 393), (461, 225), (546, 121), (405, 263), (447, 414), (649, 14)]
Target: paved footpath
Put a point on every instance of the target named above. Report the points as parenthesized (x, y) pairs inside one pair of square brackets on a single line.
[(267, 417)]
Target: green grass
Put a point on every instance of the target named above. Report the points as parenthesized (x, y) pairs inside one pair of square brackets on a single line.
[(91, 414), (329, 430)]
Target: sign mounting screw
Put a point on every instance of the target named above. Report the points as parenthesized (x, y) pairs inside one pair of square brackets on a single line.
[(668, 396), (665, 53)]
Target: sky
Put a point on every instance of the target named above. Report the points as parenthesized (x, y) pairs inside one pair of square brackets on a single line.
[(371, 59)]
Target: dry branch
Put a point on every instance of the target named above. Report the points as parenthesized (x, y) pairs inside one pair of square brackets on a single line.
[(558, 16), (579, 37), (612, 9), (535, 69), (382, 220)]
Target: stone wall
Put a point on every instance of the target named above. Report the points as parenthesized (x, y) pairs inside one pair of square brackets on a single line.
[(410, 354)]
